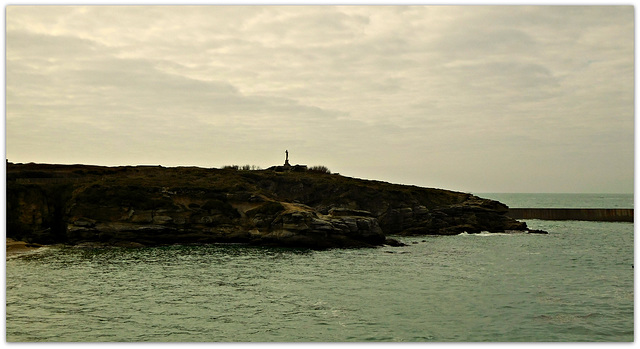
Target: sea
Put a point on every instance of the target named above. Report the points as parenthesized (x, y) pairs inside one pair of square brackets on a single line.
[(575, 284)]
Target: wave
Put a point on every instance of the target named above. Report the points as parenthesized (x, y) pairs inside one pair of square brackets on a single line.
[(484, 233)]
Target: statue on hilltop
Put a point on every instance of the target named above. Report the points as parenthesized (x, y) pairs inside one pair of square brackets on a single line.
[(286, 160)]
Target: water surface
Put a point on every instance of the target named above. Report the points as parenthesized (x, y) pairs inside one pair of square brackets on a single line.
[(575, 284)]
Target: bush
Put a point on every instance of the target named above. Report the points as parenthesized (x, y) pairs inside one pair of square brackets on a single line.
[(242, 168), (320, 169)]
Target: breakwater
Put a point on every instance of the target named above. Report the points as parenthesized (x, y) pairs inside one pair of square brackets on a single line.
[(575, 214)]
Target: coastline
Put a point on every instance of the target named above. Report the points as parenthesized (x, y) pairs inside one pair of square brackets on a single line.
[(153, 205), (17, 247)]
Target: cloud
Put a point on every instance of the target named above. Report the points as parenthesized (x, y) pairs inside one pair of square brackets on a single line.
[(83, 95), (437, 91)]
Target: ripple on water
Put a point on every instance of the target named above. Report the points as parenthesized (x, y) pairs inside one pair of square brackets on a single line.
[(458, 288)]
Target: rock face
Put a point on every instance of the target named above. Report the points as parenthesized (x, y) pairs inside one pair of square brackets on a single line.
[(142, 206), (300, 225)]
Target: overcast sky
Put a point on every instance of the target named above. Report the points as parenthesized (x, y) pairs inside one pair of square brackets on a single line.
[(467, 98)]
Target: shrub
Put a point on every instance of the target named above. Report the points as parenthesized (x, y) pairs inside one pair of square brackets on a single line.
[(320, 169), (242, 168)]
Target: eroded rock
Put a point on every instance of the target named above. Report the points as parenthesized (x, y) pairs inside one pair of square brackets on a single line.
[(155, 205)]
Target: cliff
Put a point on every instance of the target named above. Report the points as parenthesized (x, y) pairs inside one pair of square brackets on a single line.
[(145, 205)]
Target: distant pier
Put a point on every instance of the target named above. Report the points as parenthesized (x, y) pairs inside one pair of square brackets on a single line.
[(573, 214)]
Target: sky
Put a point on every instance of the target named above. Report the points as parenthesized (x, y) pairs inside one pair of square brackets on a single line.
[(467, 98)]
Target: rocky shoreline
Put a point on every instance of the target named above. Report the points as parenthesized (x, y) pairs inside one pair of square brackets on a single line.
[(15, 247), (153, 205)]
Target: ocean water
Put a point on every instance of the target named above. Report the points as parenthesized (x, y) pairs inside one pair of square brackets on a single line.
[(558, 200), (573, 285)]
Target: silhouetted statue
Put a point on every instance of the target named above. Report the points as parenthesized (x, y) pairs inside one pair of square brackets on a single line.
[(286, 160)]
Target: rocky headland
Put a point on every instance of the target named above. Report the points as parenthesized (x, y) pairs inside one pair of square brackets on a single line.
[(153, 205)]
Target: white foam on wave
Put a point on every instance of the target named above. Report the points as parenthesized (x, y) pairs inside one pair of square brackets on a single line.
[(484, 233)]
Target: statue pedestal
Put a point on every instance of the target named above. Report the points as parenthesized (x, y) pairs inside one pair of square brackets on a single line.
[(286, 163)]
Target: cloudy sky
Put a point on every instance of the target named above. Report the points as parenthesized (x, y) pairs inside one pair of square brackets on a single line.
[(468, 98)]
